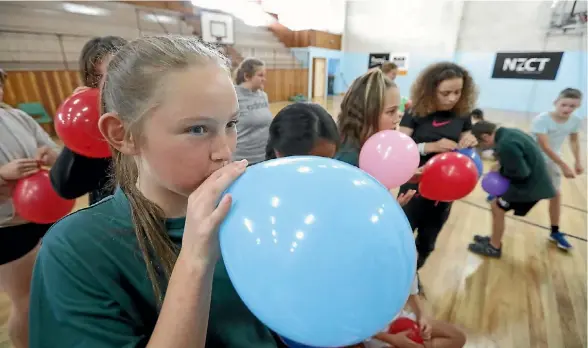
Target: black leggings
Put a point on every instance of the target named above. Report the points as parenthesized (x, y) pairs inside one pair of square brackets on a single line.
[(427, 218)]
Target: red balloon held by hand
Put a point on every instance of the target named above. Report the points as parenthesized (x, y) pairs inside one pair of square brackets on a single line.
[(406, 324), (448, 177), (76, 123), (35, 200)]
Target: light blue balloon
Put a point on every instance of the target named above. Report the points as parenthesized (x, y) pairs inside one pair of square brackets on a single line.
[(318, 250), (473, 155)]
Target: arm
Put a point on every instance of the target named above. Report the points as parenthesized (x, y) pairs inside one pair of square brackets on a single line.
[(416, 306), (575, 146), (42, 138), (466, 138), (183, 319), (512, 163), (74, 175), (543, 142)]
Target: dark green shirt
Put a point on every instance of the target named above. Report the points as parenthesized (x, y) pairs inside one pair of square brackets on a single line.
[(90, 287), (522, 161), (348, 153)]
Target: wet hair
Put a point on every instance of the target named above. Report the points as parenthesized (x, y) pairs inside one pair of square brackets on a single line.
[(571, 93), (296, 129), (362, 106), (92, 54), (247, 69), (483, 127), (424, 89), (388, 66), (132, 89), (477, 114)]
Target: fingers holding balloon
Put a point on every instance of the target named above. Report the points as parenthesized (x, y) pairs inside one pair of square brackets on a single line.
[(404, 198)]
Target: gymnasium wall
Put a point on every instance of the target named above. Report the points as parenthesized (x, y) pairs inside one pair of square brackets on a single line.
[(467, 32)]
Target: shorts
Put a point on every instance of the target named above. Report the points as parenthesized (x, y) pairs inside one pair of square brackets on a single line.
[(17, 241), (554, 173), (519, 208)]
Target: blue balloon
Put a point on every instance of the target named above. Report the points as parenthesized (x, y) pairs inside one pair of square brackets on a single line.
[(318, 250), (292, 344), (473, 155)]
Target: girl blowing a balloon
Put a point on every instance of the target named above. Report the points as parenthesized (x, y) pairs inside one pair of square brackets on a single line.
[(302, 129), (73, 174), (141, 268), (370, 105)]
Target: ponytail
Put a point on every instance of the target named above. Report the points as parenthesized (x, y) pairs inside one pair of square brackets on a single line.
[(156, 247)]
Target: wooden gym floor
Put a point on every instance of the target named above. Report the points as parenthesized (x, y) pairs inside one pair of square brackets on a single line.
[(535, 296)]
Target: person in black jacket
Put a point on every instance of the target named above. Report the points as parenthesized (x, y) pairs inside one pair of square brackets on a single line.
[(74, 175), (439, 121)]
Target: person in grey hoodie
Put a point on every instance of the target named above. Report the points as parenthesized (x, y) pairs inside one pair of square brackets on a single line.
[(24, 146), (255, 116)]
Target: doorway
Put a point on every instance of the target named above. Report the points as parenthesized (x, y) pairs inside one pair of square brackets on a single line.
[(319, 77), (333, 69)]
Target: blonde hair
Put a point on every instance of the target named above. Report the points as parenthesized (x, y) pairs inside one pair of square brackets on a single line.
[(423, 92), (132, 90), (388, 66), (362, 106), (247, 69)]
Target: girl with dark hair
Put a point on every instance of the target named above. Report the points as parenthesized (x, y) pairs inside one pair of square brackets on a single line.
[(74, 175), (443, 96), (302, 129), (254, 113)]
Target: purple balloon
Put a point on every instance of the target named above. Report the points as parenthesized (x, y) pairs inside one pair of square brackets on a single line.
[(495, 184)]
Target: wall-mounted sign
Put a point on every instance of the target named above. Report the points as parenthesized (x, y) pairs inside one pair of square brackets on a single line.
[(377, 59), (524, 65), (401, 60)]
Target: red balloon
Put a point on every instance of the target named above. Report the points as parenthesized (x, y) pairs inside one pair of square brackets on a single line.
[(406, 324), (448, 177), (76, 123), (35, 200)]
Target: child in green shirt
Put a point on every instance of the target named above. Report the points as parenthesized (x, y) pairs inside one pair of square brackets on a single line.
[(142, 268)]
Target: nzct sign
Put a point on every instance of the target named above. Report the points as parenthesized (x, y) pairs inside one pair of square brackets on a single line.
[(530, 66)]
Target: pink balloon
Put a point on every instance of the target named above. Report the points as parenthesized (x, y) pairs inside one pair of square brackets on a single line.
[(391, 157)]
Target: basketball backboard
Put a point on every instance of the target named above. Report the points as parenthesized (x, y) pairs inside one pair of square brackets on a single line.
[(568, 16), (217, 27)]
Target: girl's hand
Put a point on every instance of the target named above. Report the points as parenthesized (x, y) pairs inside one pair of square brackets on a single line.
[(426, 328), (467, 140), (404, 198), (18, 169), (203, 216), (445, 145), (46, 156), (579, 169), (79, 89), (401, 340)]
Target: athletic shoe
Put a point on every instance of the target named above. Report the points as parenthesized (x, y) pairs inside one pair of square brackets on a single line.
[(481, 239), (485, 249), (561, 241)]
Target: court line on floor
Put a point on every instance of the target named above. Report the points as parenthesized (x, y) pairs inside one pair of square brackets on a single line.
[(575, 208), (521, 220)]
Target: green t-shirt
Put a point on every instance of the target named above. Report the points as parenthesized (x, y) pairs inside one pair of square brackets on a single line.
[(521, 160), (90, 287), (348, 153)]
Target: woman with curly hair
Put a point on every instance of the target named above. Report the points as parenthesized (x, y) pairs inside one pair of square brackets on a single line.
[(443, 97)]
